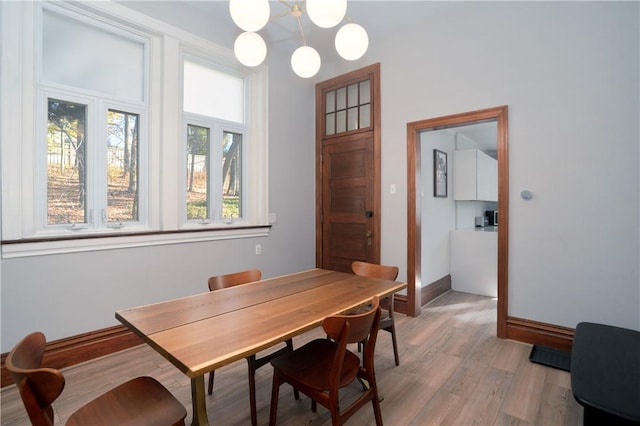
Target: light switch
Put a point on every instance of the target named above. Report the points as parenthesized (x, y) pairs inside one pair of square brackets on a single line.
[(392, 188)]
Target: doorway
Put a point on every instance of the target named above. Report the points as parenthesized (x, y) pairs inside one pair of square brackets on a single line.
[(414, 172), (348, 169)]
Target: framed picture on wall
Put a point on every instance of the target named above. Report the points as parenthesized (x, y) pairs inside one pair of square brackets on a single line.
[(439, 173)]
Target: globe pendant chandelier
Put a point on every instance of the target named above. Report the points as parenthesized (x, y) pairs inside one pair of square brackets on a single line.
[(351, 40)]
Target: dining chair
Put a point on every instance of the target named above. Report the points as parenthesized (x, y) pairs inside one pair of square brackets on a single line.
[(219, 282), (320, 368), (140, 401), (387, 321)]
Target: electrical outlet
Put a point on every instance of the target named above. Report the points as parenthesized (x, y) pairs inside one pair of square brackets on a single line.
[(258, 249)]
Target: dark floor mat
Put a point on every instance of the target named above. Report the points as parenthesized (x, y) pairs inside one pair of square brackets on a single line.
[(551, 357)]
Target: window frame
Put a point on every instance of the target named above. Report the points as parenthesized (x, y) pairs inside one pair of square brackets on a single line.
[(96, 157), (21, 113), (217, 128)]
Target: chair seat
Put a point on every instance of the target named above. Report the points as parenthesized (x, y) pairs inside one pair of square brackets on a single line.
[(140, 401), (314, 360)]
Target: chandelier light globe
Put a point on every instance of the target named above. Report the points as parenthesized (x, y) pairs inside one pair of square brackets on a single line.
[(326, 13), (250, 49), (352, 41), (250, 15), (305, 62)]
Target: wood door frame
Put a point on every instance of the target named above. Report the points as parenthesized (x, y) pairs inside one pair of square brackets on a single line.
[(498, 114), (373, 73)]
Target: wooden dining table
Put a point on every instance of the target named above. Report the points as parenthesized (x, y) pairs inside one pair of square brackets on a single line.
[(203, 332)]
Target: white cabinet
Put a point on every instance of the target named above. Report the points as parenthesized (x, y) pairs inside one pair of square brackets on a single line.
[(475, 176), (474, 261)]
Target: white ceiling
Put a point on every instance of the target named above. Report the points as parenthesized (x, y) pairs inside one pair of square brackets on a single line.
[(485, 135)]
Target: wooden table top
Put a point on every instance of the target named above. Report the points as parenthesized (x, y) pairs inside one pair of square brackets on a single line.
[(201, 333)]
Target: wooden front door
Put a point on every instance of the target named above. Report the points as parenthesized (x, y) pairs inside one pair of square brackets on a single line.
[(348, 170)]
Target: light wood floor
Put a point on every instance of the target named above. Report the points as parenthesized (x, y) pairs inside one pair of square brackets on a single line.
[(453, 371)]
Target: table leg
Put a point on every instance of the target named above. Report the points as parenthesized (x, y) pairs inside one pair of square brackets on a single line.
[(198, 402)]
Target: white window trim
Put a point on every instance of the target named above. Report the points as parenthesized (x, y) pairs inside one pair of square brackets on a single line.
[(96, 156), (216, 129), (19, 117)]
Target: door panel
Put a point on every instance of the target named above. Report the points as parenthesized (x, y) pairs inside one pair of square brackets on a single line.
[(348, 194)]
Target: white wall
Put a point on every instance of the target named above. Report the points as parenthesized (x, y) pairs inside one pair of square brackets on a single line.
[(67, 294), (438, 214), (569, 73)]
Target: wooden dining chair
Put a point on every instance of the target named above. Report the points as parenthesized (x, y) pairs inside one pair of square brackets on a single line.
[(387, 321), (140, 401), (238, 278), (321, 367)]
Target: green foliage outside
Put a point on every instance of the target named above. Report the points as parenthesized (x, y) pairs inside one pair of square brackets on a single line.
[(230, 208)]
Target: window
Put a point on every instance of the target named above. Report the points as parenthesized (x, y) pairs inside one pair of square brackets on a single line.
[(87, 155), (348, 108), (66, 162), (93, 134), (215, 131), (69, 174), (122, 166)]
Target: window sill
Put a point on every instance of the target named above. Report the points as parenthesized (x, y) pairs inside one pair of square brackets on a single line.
[(73, 244)]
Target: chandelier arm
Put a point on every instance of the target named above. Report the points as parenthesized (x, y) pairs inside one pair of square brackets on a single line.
[(304, 40)]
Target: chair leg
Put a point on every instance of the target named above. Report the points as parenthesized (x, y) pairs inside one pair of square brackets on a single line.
[(296, 394), (376, 410), (395, 343), (252, 389), (375, 400), (275, 390), (210, 387)]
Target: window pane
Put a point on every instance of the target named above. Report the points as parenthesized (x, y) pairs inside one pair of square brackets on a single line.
[(66, 160), (213, 93), (330, 124), (330, 101), (341, 121), (122, 166), (341, 98), (365, 92), (231, 175), (197, 172), (352, 118), (365, 116), (352, 95), (70, 56)]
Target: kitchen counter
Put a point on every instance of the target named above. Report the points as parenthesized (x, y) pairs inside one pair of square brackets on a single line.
[(474, 260), (480, 229)]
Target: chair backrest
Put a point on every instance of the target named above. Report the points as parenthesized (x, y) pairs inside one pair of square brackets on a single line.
[(38, 386), (229, 280), (375, 271), (353, 328), (345, 329)]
